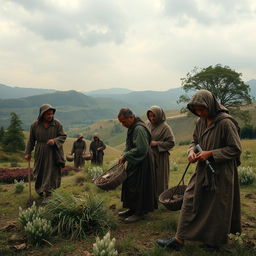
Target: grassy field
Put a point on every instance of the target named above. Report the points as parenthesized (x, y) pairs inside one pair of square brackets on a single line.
[(132, 239)]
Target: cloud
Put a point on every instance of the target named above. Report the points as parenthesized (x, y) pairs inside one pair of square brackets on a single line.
[(208, 12), (88, 22)]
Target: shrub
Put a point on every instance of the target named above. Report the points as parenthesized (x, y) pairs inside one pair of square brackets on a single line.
[(95, 171), (19, 186), (38, 231), (246, 175), (30, 214), (104, 246), (76, 217)]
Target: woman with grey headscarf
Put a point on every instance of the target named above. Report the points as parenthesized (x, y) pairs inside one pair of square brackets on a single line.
[(162, 142), (211, 206)]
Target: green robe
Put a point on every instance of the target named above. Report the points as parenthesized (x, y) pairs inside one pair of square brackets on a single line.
[(139, 189)]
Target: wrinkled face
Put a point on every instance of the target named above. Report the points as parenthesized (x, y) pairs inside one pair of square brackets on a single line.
[(126, 121), (48, 115), (152, 117), (201, 111)]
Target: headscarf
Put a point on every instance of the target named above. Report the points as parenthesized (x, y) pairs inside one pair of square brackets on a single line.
[(206, 99), (158, 112), (44, 108)]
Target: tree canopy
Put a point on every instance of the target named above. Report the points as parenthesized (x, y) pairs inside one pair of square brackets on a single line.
[(13, 139), (226, 84)]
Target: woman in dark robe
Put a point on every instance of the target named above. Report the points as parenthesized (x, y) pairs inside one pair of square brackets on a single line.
[(78, 149), (47, 136), (97, 148), (211, 206), (162, 141)]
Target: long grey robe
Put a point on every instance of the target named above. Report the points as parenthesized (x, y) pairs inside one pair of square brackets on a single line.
[(139, 189), (162, 133), (209, 215), (47, 166), (79, 147)]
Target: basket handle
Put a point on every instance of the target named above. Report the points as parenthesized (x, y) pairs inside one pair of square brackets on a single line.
[(181, 180)]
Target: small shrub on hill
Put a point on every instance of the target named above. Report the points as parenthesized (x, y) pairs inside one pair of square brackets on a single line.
[(76, 217), (104, 246), (246, 175), (95, 171), (19, 186)]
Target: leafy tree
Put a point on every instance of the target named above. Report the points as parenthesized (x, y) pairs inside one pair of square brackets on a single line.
[(13, 139), (225, 83), (2, 132)]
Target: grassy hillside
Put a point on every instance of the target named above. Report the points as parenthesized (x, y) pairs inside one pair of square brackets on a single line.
[(137, 239)]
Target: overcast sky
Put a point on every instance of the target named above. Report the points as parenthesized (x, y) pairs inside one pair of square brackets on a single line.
[(135, 44)]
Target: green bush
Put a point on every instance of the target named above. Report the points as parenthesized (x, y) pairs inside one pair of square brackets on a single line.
[(30, 214), (19, 186), (38, 231), (95, 171), (76, 217), (104, 246), (246, 175)]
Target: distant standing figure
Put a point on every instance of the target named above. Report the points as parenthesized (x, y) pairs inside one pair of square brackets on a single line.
[(78, 149), (162, 141), (47, 136), (96, 148)]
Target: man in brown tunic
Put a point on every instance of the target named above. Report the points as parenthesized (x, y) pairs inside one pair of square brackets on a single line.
[(162, 142), (211, 206), (47, 136), (78, 149), (97, 148)]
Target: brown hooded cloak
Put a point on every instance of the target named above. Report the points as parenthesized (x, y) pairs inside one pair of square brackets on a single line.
[(162, 133), (79, 147), (97, 148), (48, 159), (209, 215)]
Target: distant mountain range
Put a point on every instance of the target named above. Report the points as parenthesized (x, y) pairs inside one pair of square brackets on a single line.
[(108, 91)]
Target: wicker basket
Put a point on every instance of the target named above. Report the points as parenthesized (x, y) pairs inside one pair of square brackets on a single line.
[(70, 158), (87, 156), (111, 178), (172, 198)]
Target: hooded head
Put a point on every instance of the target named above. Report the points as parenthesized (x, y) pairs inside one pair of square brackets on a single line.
[(206, 99), (96, 136), (80, 136), (158, 113), (43, 109)]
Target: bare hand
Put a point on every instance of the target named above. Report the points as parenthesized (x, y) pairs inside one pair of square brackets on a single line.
[(153, 143), (50, 142), (27, 157), (121, 160), (204, 155), (192, 156)]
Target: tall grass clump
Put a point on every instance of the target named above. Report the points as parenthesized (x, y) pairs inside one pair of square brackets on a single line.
[(104, 246), (19, 186), (30, 214), (95, 171), (246, 175), (38, 231), (76, 217)]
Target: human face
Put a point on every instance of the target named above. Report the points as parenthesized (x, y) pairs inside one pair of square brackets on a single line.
[(201, 111), (126, 122), (48, 115), (152, 117)]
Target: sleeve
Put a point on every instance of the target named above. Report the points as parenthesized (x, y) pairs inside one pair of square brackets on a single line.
[(31, 141), (195, 140), (103, 146), (168, 141), (73, 148), (61, 136), (232, 148), (140, 140)]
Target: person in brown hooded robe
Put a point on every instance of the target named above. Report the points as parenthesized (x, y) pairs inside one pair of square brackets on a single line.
[(139, 189), (47, 137), (78, 149), (211, 206), (162, 141), (97, 148)]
